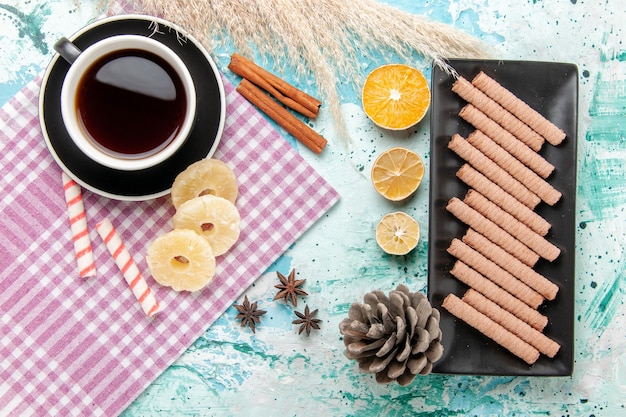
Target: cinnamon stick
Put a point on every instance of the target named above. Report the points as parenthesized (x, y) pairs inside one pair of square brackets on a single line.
[(281, 116), (284, 92)]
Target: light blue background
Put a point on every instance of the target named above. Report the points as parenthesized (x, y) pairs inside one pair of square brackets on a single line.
[(230, 371)]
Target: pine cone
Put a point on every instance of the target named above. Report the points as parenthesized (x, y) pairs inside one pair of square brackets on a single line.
[(395, 337)]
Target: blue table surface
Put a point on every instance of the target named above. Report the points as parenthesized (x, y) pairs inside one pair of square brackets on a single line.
[(230, 371)]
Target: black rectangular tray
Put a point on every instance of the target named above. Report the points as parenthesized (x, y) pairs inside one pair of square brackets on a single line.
[(552, 90)]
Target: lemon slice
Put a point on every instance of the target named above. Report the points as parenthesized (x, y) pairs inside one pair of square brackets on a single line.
[(181, 259), (214, 218), (397, 173), (207, 176), (397, 233), (395, 96)]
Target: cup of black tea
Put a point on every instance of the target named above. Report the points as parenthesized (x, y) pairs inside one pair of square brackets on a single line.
[(128, 102)]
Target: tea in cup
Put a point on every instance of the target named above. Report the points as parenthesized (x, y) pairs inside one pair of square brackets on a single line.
[(128, 102)]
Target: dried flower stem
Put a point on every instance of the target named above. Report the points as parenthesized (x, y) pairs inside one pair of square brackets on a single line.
[(325, 39)]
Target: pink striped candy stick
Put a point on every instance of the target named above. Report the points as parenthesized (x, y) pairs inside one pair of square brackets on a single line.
[(129, 269), (78, 225)]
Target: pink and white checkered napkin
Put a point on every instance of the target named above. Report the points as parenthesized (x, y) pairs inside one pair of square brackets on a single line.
[(74, 346)]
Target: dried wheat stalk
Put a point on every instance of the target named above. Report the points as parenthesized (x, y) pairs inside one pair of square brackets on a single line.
[(324, 39)]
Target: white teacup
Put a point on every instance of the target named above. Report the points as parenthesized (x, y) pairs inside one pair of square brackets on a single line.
[(128, 102)]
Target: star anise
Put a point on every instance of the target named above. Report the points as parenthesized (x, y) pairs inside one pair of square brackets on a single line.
[(289, 287), (249, 314), (307, 321)]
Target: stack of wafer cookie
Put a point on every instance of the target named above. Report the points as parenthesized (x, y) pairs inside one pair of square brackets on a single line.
[(507, 180)]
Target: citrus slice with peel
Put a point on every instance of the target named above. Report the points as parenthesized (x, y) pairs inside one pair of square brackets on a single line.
[(181, 259), (397, 233), (207, 176), (396, 96), (397, 173), (214, 218)]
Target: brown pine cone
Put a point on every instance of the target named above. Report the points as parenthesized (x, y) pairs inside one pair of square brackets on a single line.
[(395, 337)]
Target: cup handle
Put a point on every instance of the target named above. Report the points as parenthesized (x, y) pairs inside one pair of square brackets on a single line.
[(67, 49)]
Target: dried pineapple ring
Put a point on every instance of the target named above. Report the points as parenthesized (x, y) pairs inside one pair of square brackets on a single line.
[(181, 259), (207, 176), (214, 218)]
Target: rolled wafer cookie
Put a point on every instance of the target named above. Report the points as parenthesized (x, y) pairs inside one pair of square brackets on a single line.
[(499, 114), (511, 264), (528, 334), (78, 226), (509, 142), (492, 271), (491, 170), (475, 280), (506, 201), (513, 166), (491, 231), (537, 243), (129, 269), (490, 328), (553, 134)]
